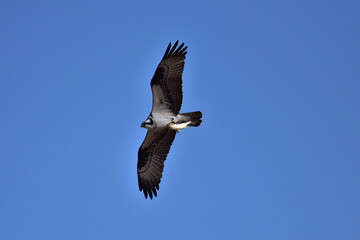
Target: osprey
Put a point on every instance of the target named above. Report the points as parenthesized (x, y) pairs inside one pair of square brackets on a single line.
[(164, 120)]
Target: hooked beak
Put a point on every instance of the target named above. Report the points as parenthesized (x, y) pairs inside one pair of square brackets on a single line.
[(143, 124)]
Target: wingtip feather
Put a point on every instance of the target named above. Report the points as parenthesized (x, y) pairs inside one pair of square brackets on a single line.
[(175, 49)]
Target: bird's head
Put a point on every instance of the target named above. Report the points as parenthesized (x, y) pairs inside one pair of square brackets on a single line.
[(148, 123)]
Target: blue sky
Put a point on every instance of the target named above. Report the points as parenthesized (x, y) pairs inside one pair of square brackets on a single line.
[(277, 155)]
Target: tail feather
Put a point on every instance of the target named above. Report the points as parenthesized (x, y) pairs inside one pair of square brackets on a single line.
[(195, 118)]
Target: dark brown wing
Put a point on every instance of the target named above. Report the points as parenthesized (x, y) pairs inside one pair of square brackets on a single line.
[(168, 79), (151, 157)]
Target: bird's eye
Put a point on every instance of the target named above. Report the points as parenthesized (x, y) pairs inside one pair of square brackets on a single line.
[(149, 121)]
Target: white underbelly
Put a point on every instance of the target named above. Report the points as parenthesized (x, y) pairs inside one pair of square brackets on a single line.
[(163, 120)]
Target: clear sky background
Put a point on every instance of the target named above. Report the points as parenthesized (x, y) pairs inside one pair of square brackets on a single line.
[(278, 153)]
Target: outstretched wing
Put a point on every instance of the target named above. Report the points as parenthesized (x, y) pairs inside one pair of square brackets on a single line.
[(151, 157), (166, 83)]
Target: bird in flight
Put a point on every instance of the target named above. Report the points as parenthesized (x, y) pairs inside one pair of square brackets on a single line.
[(164, 120)]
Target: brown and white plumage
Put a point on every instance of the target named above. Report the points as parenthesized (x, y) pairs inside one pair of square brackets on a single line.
[(164, 120), (168, 78)]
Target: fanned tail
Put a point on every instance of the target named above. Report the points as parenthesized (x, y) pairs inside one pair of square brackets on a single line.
[(195, 118)]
